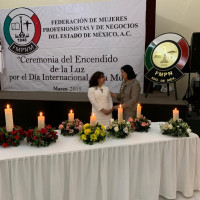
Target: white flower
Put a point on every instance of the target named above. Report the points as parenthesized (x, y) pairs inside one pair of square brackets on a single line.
[(189, 130), (170, 126), (128, 123), (125, 130), (116, 129), (111, 120)]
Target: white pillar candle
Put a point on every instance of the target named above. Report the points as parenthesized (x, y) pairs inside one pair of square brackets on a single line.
[(93, 120), (9, 118), (41, 121), (71, 116), (175, 114), (139, 108), (120, 114)]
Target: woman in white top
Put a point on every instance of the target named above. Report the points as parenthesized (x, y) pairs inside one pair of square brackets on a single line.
[(100, 98)]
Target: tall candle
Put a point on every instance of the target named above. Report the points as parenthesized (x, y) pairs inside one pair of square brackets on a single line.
[(93, 120), (41, 121), (139, 108), (9, 118), (120, 114), (175, 114), (71, 116)]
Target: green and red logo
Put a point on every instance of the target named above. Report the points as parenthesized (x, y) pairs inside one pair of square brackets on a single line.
[(165, 58), (22, 30)]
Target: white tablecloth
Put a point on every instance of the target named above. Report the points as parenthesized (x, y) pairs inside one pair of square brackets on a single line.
[(139, 167)]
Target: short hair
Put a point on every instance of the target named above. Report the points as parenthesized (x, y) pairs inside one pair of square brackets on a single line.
[(130, 72), (94, 78)]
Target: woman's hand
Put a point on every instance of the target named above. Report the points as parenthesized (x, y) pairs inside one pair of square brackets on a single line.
[(115, 107)]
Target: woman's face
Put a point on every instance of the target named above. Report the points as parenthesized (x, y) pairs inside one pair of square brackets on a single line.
[(124, 75), (101, 80)]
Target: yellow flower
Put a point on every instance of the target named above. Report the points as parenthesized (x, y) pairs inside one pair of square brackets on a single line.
[(87, 131), (84, 137), (103, 133), (86, 125), (97, 132), (93, 137), (102, 127)]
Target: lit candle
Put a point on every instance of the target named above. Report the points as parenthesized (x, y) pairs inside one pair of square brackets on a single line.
[(120, 114), (139, 108), (9, 118), (41, 121), (175, 114), (71, 116), (93, 120)]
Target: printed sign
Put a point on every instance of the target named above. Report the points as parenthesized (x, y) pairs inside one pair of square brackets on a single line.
[(58, 48)]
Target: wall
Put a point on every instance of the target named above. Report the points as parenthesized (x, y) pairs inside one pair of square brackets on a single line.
[(182, 17)]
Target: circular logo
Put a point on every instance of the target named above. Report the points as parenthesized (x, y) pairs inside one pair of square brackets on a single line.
[(165, 58), (22, 30)]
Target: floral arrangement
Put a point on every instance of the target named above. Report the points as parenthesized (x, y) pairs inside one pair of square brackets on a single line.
[(141, 124), (43, 137), (177, 128), (68, 128), (90, 134), (12, 138), (119, 130)]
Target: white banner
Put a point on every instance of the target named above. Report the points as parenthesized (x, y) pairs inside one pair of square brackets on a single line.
[(58, 48)]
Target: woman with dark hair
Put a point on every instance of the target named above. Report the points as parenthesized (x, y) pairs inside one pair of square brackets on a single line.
[(129, 92), (100, 98)]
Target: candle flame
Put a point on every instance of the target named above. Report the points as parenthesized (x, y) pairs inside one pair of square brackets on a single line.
[(41, 113), (8, 106), (71, 111), (120, 105), (175, 108), (92, 114), (138, 105)]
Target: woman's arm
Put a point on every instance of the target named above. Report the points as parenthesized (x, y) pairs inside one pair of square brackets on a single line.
[(134, 95), (113, 95), (92, 99), (94, 103)]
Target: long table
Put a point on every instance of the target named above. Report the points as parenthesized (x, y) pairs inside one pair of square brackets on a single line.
[(139, 167)]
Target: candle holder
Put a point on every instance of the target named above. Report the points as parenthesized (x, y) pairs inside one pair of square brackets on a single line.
[(12, 138), (117, 130), (70, 128), (91, 134), (141, 124), (41, 137), (177, 128)]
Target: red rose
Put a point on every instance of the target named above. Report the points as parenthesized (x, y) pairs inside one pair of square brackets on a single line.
[(4, 144), (43, 130), (34, 137), (29, 133), (14, 132), (16, 137), (8, 140), (48, 127)]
